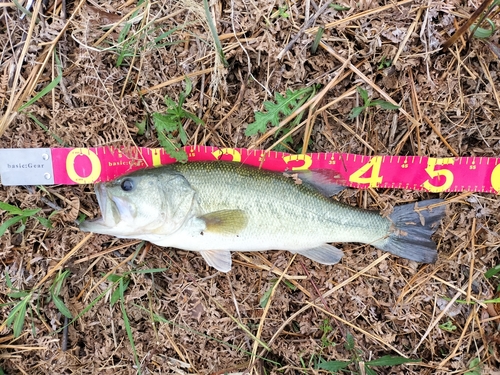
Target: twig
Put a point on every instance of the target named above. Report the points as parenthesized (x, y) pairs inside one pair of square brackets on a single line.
[(302, 30), (463, 29), (443, 139)]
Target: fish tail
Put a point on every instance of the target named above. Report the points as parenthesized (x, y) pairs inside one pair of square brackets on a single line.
[(411, 231)]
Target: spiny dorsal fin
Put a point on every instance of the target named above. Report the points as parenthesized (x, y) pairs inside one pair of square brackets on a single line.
[(225, 221), (328, 182)]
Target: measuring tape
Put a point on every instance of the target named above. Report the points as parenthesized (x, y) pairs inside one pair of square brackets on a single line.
[(69, 166)]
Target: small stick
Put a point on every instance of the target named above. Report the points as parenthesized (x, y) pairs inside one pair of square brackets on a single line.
[(302, 30), (64, 344), (429, 122)]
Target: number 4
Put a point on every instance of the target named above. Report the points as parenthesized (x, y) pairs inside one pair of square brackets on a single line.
[(374, 179)]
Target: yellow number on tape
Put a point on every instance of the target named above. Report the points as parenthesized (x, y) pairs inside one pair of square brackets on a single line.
[(495, 179), (305, 158), (95, 164), (227, 151), (448, 175), (374, 179)]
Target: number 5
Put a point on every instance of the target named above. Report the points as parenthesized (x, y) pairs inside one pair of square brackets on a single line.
[(447, 174)]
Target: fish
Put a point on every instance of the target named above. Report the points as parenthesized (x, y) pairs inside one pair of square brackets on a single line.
[(216, 207)]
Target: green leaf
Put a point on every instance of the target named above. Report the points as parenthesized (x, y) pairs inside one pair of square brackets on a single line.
[(8, 223), (165, 35), (384, 104), (45, 222), (19, 320), (10, 208), (215, 35), (349, 341), (18, 294), (22, 227), (333, 365), (114, 278), (115, 296), (492, 271), (32, 212), (194, 118), (17, 315), (475, 367), (339, 7), (166, 123), (8, 281), (483, 33), (388, 360), (182, 135), (152, 270), (141, 126), (130, 336), (42, 93), (265, 297), (41, 125), (289, 285), (448, 326), (119, 292), (284, 106), (172, 149), (184, 94), (355, 112), (364, 95), (61, 306)]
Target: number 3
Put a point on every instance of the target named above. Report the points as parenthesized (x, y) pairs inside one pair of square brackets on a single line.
[(433, 173)]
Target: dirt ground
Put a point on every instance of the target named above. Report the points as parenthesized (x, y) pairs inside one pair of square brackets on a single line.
[(136, 307)]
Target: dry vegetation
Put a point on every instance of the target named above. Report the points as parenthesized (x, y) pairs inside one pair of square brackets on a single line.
[(189, 319)]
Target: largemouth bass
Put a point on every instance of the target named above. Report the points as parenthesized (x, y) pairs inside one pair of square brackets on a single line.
[(219, 207)]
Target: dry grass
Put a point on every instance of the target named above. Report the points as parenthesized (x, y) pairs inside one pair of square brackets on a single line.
[(189, 319)]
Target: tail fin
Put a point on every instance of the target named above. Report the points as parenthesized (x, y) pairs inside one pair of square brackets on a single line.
[(411, 231)]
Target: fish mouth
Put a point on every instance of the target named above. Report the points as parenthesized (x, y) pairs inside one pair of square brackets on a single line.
[(108, 209)]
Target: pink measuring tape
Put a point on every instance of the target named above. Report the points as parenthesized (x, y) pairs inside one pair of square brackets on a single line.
[(68, 166)]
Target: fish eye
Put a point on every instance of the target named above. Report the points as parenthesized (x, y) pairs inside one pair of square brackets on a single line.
[(127, 184)]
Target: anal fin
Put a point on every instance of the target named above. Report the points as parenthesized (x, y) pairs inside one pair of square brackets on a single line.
[(218, 259), (324, 254)]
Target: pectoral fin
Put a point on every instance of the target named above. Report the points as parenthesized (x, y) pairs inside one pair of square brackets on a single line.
[(324, 254), (218, 259), (225, 221)]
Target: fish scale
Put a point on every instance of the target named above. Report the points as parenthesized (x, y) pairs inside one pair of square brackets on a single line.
[(283, 204)]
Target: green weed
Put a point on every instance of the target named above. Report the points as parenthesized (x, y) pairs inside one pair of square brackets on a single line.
[(281, 13), (282, 107), (215, 35), (485, 32), (474, 367), (169, 125), (367, 102), (448, 326), (18, 314), (384, 63), (326, 328), (265, 297), (362, 367), (40, 95), (20, 216)]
